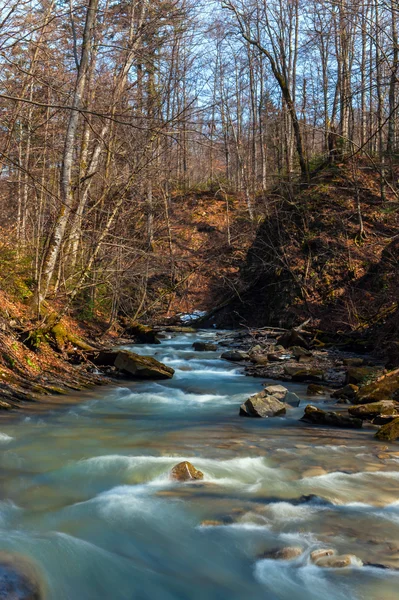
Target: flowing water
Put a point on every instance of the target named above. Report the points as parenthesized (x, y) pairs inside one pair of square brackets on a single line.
[(85, 493)]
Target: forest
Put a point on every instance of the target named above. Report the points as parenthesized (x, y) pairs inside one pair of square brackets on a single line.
[(142, 143)]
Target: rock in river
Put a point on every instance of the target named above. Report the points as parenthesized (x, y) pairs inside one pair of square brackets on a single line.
[(204, 347), (263, 406), (18, 581), (281, 393), (185, 471), (288, 553), (389, 432), (135, 365), (320, 417)]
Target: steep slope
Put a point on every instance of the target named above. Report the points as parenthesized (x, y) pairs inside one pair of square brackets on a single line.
[(329, 253)]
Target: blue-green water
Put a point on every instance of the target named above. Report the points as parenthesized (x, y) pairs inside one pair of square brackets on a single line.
[(85, 493)]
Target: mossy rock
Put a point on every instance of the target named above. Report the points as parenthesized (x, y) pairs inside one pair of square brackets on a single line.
[(372, 410), (389, 432), (361, 375), (386, 388), (142, 333)]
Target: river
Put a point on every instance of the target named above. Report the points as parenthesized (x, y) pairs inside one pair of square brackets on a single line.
[(85, 493)]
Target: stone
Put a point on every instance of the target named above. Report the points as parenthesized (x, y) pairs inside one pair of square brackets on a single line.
[(142, 367), (259, 359), (385, 388), (339, 561), (374, 409), (315, 389), (349, 391), (292, 338), (299, 352), (211, 523), (389, 432), (304, 374), (278, 391), (142, 333), (321, 553), (361, 375), (18, 579), (132, 364), (234, 356), (288, 553), (262, 406), (185, 471), (204, 347), (317, 416)]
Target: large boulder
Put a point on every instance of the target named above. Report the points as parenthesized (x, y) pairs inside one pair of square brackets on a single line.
[(204, 347), (384, 388), (317, 416), (185, 471), (234, 356), (142, 367), (18, 579), (263, 406), (374, 409), (132, 364), (389, 432)]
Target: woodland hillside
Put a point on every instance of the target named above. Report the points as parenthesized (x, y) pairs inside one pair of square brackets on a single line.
[(146, 146)]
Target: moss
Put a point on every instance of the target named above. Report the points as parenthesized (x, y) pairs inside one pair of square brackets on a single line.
[(384, 389), (389, 432)]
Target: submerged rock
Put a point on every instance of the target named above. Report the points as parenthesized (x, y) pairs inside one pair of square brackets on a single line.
[(353, 362), (204, 347), (288, 553), (389, 432), (374, 409), (18, 580), (234, 356), (263, 406), (185, 471), (315, 389), (320, 417)]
